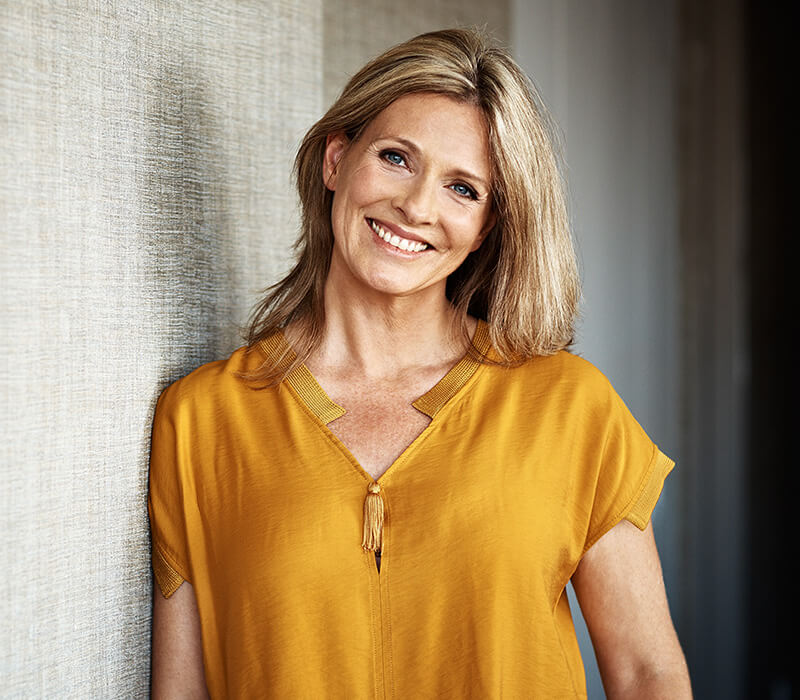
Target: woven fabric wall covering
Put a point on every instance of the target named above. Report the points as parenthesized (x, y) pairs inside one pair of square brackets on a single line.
[(146, 199)]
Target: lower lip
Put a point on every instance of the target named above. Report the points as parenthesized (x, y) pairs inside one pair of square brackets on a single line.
[(408, 254)]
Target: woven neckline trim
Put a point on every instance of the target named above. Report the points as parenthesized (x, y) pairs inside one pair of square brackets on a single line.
[(277, 349)]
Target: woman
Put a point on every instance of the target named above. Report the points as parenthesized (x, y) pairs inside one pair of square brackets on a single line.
[(386, 492)]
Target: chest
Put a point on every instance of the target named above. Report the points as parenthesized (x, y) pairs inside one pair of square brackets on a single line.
[(377, 427)]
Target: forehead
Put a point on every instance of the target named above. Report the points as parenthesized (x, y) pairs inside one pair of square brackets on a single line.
[(439, 126)]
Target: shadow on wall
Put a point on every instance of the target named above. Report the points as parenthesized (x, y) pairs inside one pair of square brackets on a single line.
[(187, 215), (186, 227)]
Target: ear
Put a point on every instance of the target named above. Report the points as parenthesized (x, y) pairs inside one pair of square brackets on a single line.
[(335, 146), (491, 220)]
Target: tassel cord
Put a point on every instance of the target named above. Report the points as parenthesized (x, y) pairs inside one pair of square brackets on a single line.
[(372, 539)]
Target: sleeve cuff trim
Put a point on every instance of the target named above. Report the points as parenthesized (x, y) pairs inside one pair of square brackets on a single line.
[(167, 578), (642, 508)]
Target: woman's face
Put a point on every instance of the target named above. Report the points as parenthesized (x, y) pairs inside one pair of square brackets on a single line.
[(411, 196)]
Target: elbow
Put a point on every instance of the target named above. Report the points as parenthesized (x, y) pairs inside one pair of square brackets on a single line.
[(655, 682)]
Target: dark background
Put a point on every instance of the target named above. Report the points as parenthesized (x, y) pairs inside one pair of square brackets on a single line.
[(771, 81)]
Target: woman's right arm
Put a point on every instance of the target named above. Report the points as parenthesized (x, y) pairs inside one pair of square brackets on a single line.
[(177, 661)]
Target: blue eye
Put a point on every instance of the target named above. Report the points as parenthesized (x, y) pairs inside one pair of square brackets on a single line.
[(394, 157), (464, 190)]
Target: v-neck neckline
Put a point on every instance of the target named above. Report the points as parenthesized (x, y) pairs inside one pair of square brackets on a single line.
[(277, 349)]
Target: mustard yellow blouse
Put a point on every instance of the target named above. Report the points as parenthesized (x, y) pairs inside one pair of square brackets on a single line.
[(485, 517)]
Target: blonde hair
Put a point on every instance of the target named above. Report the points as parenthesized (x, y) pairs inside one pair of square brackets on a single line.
[(523, 280)]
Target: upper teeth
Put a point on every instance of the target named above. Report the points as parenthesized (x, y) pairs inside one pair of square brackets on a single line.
[(395, 240)]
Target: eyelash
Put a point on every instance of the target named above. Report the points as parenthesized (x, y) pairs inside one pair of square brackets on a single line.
[(468, 191)]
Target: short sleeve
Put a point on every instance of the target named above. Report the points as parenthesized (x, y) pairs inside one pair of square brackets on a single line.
[(630, 472), (642, 507), (166, 496)]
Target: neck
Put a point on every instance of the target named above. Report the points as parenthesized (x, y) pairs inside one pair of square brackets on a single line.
[(384, 335)]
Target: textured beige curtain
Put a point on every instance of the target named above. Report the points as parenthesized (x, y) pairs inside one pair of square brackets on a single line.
[(145, 199)]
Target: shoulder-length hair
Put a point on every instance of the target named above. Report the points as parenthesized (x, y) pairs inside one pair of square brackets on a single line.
[(523, 280)]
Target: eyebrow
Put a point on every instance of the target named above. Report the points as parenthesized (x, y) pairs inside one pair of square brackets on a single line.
[(458, 172)]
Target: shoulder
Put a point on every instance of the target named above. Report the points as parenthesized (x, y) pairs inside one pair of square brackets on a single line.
[(210, 384), (563, 387), (566, 366), (561, 373)]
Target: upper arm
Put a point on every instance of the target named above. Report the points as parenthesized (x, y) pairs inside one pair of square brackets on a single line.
[(620, 589), (177, 655)]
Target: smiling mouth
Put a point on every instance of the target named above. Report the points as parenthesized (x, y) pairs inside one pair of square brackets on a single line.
[(396, 241)]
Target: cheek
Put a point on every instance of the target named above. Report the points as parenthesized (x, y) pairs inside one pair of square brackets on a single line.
[(366, 184), (339, 220), (467, 226)]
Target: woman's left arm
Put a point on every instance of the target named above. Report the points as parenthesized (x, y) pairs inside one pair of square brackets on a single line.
[(620, 589)]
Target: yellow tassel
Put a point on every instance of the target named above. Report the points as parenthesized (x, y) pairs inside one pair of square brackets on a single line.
[(373, 519)]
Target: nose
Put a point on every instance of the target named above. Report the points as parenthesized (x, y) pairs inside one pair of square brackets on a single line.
[(417, 200)]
